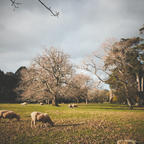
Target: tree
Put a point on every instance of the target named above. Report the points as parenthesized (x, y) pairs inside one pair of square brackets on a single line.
[(48, 73), (98, 95), (79, 86), (16, 4), (122, 67), (141, 30), (125, 62)]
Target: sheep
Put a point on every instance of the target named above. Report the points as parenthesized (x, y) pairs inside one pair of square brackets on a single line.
[(2, 112), (72, 105), (41, 103), (11, 115), (41, 117), (24, 103)]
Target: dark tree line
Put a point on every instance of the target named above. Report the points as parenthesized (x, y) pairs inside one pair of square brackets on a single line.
[(8, 82)]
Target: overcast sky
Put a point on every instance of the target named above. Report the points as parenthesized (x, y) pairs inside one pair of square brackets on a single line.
[(79, 30)]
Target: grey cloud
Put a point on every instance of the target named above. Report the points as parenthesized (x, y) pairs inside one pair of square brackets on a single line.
[(79, 30)]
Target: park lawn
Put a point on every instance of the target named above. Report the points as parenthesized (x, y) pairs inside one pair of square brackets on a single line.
[(86, 124)]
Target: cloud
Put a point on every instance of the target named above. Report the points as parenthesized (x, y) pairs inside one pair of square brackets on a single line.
[(79, 30)]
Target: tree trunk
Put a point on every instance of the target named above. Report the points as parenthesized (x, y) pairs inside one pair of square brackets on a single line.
[(54, 101), (140, 83), (77, 100), (86, 101), (110, 96), (127, 97), (129, 104), (48, 102)]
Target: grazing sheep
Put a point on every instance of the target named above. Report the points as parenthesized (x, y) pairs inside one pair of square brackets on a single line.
[(11, 115), (24, 103), (41, 103), (41, 117), (72, 105), (2, 112)]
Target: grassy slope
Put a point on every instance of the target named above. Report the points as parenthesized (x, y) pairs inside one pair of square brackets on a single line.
[(92, 123)]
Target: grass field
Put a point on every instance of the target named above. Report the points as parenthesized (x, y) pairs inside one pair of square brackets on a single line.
[(87, 124)]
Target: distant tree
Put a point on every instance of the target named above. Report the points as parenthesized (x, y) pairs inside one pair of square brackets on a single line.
[(48, 73), (79, 86), (98, 95)]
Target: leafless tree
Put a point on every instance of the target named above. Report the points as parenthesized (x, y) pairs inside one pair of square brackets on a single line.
[(141, 30), (48, 73), (79, 86), (98, 95), (94, 63)]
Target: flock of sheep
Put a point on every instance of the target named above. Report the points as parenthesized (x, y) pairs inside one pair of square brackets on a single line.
[(35, 116)]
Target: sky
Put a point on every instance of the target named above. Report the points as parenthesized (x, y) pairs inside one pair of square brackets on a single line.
[(80, 29)]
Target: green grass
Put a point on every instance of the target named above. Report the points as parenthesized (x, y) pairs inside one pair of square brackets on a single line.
[(89, 124)]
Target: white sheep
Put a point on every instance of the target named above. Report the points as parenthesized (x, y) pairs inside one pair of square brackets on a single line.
[(41, 117), (2, 112), (10, 115), (41, 103), (24, 103), (72, 105)]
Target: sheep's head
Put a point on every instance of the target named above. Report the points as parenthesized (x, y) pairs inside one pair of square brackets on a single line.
[(45, 119), (40, 117), (48, 119)]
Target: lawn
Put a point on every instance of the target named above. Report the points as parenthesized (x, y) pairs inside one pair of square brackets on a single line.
[(86, 124)]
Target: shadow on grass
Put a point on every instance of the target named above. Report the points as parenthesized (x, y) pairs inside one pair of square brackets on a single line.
[(124, 108), (66, 125)]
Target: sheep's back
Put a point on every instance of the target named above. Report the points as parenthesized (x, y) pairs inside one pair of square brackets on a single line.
[(10, 115), (34, 115), (2, 112)]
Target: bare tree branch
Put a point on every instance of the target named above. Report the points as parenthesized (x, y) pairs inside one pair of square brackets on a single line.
[(16, 4), (49, 8)]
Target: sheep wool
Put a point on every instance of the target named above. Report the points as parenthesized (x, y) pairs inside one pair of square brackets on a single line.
[(24, 103), (41, 117), (11, 115), (2, 112)]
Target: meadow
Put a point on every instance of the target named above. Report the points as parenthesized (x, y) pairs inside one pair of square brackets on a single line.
[(86, 124)]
